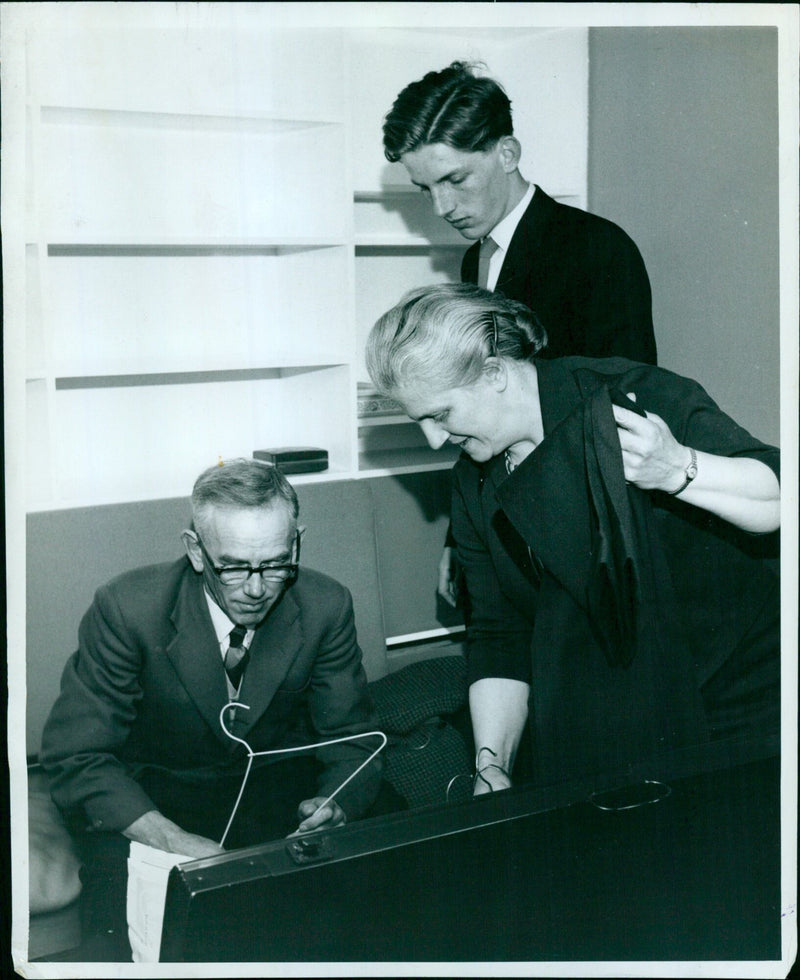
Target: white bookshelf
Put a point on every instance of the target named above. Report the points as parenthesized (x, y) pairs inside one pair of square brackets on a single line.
[(210, 231)]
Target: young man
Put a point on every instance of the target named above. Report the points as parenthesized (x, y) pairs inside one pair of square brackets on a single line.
[(581, 274)]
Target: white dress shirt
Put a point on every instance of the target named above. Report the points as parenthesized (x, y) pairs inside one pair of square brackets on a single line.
[(502, 233)]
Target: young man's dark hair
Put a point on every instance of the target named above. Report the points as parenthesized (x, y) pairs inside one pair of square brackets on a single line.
[(454, 106)]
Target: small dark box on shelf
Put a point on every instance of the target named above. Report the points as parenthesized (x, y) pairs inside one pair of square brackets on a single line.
[(295, 459)]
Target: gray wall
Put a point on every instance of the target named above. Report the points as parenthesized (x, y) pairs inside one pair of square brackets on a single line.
[(683, 154)]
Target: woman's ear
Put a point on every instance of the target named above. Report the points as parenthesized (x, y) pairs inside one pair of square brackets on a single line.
[(495, 373)]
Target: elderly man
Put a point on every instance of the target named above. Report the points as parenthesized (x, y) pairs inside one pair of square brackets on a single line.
[(134, 747)]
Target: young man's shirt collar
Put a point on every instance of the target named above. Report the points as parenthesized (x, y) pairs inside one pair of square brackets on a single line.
[(503, 232)]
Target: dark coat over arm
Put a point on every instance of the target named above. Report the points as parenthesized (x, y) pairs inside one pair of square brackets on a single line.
[(712, 669)]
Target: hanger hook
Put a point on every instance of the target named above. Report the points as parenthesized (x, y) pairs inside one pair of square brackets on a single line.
[(228, 732)]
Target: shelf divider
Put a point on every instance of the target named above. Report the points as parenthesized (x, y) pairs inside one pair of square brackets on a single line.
[(282, 246), (73, 382)]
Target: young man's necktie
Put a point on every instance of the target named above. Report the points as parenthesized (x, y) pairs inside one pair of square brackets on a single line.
[(487, 249)]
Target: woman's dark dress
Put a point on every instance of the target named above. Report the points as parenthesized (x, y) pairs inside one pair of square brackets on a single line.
[(642, 624)]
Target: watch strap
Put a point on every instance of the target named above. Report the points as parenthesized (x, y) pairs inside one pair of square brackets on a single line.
[(689, 474)]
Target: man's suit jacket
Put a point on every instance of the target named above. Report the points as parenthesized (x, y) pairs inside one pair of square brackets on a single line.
[(584, 278), (147, 683)]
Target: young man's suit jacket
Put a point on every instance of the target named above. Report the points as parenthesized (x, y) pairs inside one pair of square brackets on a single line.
[(584, 278), (147, 683)]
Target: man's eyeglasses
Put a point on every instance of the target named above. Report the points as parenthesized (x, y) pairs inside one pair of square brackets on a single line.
[(269, 571)]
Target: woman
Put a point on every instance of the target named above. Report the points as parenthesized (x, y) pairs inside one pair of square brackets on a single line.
[(616, 532)]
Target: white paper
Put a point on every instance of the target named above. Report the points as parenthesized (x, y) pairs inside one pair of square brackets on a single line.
[(148, 874)]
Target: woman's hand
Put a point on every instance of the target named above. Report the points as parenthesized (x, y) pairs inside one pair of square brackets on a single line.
[(743, 491), (490, 778), (652, 457)]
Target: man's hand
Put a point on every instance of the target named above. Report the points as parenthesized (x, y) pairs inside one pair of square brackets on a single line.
[(313, 818), (448, 576), (154, 829)]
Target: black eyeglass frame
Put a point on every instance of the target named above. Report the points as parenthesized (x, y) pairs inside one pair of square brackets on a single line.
[(289, 568)]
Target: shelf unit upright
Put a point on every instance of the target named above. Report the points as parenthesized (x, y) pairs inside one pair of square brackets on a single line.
[(189, 261), (212, 228)]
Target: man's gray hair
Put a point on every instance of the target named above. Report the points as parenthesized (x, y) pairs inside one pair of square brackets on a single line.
[(246, 483)]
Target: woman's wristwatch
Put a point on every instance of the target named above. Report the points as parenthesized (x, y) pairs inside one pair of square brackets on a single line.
[(688, 475)]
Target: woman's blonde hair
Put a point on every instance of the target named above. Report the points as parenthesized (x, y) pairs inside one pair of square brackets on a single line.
[(440, 337)]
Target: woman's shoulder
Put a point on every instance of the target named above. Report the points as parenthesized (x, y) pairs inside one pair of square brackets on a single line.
[(590, 373)]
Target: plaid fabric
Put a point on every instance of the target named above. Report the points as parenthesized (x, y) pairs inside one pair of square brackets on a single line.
[(425, 752), (421, 691), (421, 766)]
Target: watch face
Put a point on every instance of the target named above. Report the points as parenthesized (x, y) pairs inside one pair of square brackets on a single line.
[(691, 471)]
